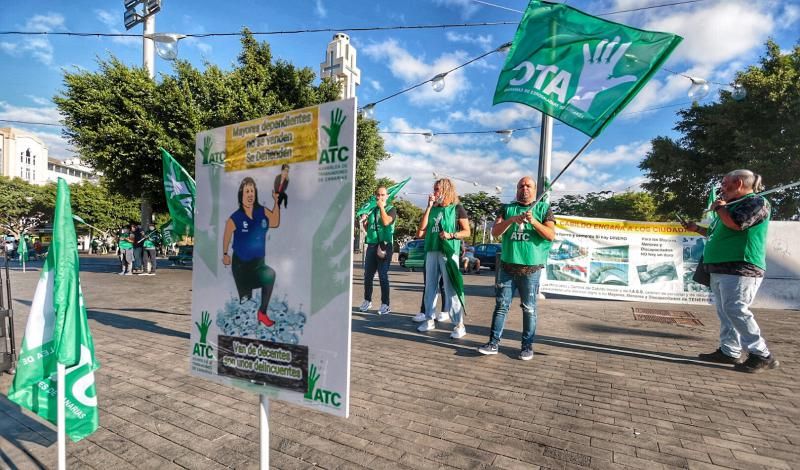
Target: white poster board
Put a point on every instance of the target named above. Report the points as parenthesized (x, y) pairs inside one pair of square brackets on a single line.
[(293, 248), (624, 260)]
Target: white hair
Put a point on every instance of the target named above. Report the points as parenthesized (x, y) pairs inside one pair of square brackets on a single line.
[(749, 179)]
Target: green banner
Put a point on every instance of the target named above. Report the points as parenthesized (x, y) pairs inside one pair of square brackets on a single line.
[(179, 188), (58, 332), (372, 202), (580, 69)]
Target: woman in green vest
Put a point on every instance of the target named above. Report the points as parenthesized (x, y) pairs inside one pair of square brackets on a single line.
[(736, 259), (444, 222)]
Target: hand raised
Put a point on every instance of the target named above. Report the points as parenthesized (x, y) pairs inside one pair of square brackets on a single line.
[(597, 70)]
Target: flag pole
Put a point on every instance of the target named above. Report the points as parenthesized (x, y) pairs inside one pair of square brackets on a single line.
[(264, 430), (62, 418), (541, 196)]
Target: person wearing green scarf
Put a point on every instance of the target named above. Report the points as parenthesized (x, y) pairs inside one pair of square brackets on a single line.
[(444, 225), (527, 230), (736, 259)]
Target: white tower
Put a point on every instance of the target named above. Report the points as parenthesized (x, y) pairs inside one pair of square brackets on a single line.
[(340, 63)]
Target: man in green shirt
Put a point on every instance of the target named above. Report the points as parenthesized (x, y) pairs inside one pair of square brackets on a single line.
[(125, 244), (527, 231), (152, 238), (379, 225), (735, 257)]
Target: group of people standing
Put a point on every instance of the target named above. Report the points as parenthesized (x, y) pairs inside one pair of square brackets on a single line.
[(735, 259), (136, 249)]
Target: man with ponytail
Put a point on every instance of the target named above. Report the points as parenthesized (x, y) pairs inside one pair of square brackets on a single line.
[(735, 258)]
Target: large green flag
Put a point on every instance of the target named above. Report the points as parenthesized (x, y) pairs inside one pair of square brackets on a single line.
[(58, 332), (179, 188), (372, 203), (580, 69)]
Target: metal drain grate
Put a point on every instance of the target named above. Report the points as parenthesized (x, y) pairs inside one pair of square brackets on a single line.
[(672, 317)]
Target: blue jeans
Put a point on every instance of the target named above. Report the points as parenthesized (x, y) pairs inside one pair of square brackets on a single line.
[(434, 270), (528, 286), (738, 329), (371, 264)]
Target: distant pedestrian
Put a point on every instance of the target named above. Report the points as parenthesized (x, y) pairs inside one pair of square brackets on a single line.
[(379, 225), (152, 239), (527, 232), (736, 259), (138, 247), (125, 247)]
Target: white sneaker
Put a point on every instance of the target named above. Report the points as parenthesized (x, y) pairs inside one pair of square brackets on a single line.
[(384, 309), (443, 316), (429, 325), (458, 332), (420, 317), (365, 305)]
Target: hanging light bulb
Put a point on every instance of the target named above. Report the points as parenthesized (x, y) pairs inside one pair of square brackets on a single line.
[(504, 48), (166, 44), (499, 189), (428, 136), (368, 111), (739, 92), (505, 136), (435, 175), (438, 82), (475, 183), (699, 88)]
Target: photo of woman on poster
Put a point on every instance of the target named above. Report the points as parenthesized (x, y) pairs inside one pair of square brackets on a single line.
[(249, 226)]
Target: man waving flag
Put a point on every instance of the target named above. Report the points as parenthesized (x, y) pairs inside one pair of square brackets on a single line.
[(580, 69), (57, 334)]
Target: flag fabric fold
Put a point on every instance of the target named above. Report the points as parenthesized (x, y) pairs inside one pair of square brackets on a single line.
[(180, 191), (577, 68), (58, 332), (371, 203)]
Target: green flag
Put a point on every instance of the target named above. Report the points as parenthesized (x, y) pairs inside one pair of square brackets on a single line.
[(23, 248), (367, 207), (580, 69), (58, 332), (179, 188), (167, 233), (454, 271)]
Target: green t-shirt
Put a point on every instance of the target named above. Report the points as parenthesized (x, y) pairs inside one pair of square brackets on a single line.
[(124, 243), (441, 219), (376, 231), (522, 244), (152, 238)]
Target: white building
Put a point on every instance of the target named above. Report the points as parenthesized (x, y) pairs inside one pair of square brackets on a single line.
[(340, 63), (22, 155), (73, 170)]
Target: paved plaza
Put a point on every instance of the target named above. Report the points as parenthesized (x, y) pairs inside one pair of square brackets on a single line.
[(603, 391)]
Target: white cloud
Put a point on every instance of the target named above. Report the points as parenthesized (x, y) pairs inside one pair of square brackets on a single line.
[(45, 114), (114, 22), (467, 8), (789, 16), (319, 9), (485, 41), (57, 145), (504, 118), (39, 100), (203, 47), (376, 85), (48, 22), (38, 47), (412, 69)]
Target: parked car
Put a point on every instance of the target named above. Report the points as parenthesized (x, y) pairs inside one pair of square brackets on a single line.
[(412, 254), (486, 253)]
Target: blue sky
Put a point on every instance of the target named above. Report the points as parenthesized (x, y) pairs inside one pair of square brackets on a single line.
[(720, 38)]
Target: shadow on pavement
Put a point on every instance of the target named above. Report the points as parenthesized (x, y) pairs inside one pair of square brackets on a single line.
[(374, 325), (125, 322), (17, 427), (618, 330)]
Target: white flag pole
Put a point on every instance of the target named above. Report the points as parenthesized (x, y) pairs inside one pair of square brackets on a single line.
[(264, 427), (62, 417)]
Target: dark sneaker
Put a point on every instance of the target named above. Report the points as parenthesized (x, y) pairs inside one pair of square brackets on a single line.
[(755, 364), (488, 348), (526, 354), (721, 358)]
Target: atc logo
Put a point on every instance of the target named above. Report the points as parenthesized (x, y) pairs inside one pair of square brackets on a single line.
[(334, 153), (326, 397), (201, 349)]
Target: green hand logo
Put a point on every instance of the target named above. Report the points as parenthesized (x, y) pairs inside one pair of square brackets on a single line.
[(313, 376), (202, 327), (337, 119), (206, 150)]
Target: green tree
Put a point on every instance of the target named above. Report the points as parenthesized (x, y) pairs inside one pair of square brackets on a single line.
[(408, 219), (23, 206), (626, 206), (760, 133), (117, 117), (480, 207)]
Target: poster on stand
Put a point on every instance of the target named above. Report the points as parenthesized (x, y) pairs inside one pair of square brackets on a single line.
[(272, 267), (623, 260)]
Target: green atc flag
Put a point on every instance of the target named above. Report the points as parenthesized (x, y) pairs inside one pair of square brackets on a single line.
[(179, 188), (371, 203), (58, 331), (580, 69)]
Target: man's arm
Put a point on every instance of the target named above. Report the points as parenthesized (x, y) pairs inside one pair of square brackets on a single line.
[(274, 215), (386, 217)]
